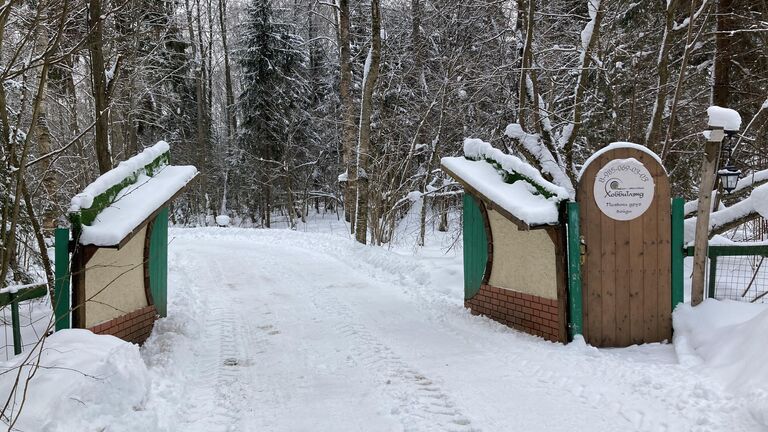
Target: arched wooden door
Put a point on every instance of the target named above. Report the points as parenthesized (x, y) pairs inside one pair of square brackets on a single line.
[(624, 197)]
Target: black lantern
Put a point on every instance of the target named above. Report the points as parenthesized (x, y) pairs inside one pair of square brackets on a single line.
[(729, 177)]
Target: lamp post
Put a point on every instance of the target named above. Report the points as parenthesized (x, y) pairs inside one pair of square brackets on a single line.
[(721, 122)]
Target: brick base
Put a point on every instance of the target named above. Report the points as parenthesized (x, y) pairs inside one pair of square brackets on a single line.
[(529, 313), (132, 327)]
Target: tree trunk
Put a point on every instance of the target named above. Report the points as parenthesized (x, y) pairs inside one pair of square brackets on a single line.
[(723, 54), (349, 131), (99, 85), (43, 135), (653, 133), (366, 108), (200, 103), (229, 109)]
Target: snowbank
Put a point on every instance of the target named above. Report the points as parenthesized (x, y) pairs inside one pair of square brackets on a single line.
[(729, 338), (85, 382)]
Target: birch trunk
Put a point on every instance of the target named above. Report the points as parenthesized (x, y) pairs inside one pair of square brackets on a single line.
[(366, 108)]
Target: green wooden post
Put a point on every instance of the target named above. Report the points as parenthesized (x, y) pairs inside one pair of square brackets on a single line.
[(712, 275), (15, 324), (574, 271), (475, 246), (678, 249), (158, 262), (61, 286)]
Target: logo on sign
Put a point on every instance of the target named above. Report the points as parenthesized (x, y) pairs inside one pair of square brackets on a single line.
[(624, 189)]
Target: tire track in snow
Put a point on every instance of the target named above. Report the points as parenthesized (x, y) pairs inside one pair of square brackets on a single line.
[(220, 392), (700, 404), (422, 405)]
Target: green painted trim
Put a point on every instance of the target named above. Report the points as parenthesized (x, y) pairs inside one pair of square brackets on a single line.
[(475, 246), (732, 250), (713, 252), (13, 300), (575, 310), (104, 200), (16, 325), (678, 251), (712, 275), (158, 262), (23, 295), (61, 291)]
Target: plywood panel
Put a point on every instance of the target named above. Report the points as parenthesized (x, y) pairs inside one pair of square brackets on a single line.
[(114, 281), (523, 261)]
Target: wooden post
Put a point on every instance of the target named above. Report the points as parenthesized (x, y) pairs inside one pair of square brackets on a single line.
[(574, 271), (15, 324), (701, 241), (61, 291)]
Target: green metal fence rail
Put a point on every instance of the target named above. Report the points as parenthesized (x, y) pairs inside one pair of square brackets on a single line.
[(13, 297), (717, 255)]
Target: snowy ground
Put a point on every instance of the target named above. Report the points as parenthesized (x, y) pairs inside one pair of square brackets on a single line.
[(278, 330), (287, 331)]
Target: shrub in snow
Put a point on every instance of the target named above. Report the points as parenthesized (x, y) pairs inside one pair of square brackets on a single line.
[(84, 382), (222, 220)]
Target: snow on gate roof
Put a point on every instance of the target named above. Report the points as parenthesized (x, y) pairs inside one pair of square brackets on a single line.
[(512, 187), (118, 203)]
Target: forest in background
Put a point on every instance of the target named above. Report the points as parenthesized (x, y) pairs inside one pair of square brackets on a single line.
[(290, 107)]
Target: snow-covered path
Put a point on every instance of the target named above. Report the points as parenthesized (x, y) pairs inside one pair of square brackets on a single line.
[(274, 330)]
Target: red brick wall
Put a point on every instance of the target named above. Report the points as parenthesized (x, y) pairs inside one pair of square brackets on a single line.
[(133, 327), (529, 313)]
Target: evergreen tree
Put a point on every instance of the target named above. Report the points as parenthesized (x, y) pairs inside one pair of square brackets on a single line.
[(273, 101)]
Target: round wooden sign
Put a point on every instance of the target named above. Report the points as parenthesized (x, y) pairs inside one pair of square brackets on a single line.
[(624, 189)]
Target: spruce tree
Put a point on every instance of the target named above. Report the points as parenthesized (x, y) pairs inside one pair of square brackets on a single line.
[(274, 98)]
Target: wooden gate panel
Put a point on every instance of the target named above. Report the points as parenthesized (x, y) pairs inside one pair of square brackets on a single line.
[(664, 283), (627, 285), (650, 269), (608, 279), (623, 323), (592, 298), (636, 274)]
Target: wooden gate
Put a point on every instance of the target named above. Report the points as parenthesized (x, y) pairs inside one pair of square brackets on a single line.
[(626, 227)]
